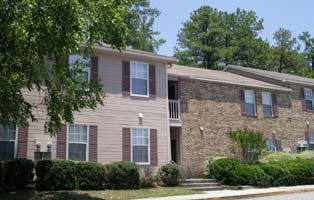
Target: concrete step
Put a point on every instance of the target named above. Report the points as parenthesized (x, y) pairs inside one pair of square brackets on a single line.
[(211, 188), (198, 181), (205, 184)]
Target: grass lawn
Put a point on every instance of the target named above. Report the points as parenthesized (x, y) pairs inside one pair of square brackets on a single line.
[(97, 195)]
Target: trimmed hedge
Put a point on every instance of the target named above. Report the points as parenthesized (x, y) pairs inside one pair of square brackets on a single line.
[(123, 175), (18, 173), (169, 174), (55, 174), (90, 176), (278, 156), (284, 173), (306, 155)]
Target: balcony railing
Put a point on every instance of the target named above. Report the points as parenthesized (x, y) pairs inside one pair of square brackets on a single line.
[(174, 109)]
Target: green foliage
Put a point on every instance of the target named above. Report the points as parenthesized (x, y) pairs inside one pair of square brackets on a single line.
[(90, 176), (146, 178), (306, 155), (278, 156), (55, 174), (123, 175), (247, 143), (279, 176), (169, 174), (36, 38), (140, 21), (18, 173), (220, 169)]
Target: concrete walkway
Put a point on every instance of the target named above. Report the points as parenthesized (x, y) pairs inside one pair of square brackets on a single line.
[(239, 193)]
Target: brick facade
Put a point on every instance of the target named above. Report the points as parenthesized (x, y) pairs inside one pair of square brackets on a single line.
[(216, 107)]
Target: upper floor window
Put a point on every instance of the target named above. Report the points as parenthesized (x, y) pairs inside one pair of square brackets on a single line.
[(267, 104), (249, 98), (308, 97), (139, 79), (7, 142), (140, 145), (80, 67), (77, 142)]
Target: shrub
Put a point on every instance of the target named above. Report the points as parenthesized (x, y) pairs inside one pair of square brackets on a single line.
[(245, 140), (2, 176), (90, 176), (306, 155), (221, 169), (19, 173), (123, 175), (280, 176), (55, 174), (146, 178), (169, 174), (278, 156)]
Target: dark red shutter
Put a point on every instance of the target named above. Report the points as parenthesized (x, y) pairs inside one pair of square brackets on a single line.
[(307, 139), (126, 77), (94, 67), (62, 142), (302, 99), (278, 145), (153, 147), (93, 143), (275, 104), (255, 101), (152, 81), (126, 144), (22, 139), (242, 102)]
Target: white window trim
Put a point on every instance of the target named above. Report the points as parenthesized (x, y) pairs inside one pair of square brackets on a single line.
[(309, 137), (15, 141), (148, 146), (131, 90), (87, 141), (274, 144), (86, 69), (253, 103), (271, 103)]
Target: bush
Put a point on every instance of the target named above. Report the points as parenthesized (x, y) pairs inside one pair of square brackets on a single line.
[(280, 176), (2, 176), (221, 169), (146, 178), (19, 173), (55, 174), (278, 156), (89, 176), (123, 175), (169, 174), (306, 155)]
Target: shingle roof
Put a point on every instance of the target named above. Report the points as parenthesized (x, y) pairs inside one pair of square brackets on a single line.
[(284, 77), (220, 77)]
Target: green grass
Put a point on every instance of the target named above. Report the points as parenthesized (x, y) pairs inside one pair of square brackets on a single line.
[(97, 195)]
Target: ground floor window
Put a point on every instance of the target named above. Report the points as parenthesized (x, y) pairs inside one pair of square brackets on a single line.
[(311, 142), (270, 145), (140, 145), (7, 142), (77, 142)]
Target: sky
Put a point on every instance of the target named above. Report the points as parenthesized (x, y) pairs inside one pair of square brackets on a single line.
[(294, 15)]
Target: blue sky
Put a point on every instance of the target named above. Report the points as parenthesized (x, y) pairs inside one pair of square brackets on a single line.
[(295, 15)]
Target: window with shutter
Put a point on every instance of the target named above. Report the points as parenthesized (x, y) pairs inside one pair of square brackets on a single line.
[(139, 79), (250, 105), (7, 142), (267, 104), (80, 67), (77, 142), (308, 98), (140, 145)]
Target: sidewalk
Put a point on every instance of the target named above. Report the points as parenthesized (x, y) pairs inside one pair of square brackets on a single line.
[(239, 193)]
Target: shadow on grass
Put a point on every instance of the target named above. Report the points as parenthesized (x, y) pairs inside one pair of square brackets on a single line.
[(33, 195)]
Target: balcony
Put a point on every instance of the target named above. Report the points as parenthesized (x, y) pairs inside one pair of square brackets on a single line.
[(174, 109)]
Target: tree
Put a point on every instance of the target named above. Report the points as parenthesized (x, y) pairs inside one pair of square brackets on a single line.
[(140, 20), (212, 39), (308, 51), (285, 51), (37, 32)]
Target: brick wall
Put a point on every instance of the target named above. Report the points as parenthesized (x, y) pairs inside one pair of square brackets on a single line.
[(216, 108)]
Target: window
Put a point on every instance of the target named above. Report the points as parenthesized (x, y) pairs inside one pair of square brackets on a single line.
[(139, 79), (311, 138), (249, 97), (7, 142), (270, 145), (267, 103), (140, 147), (308, 97), (80, 67), (77, 142)]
